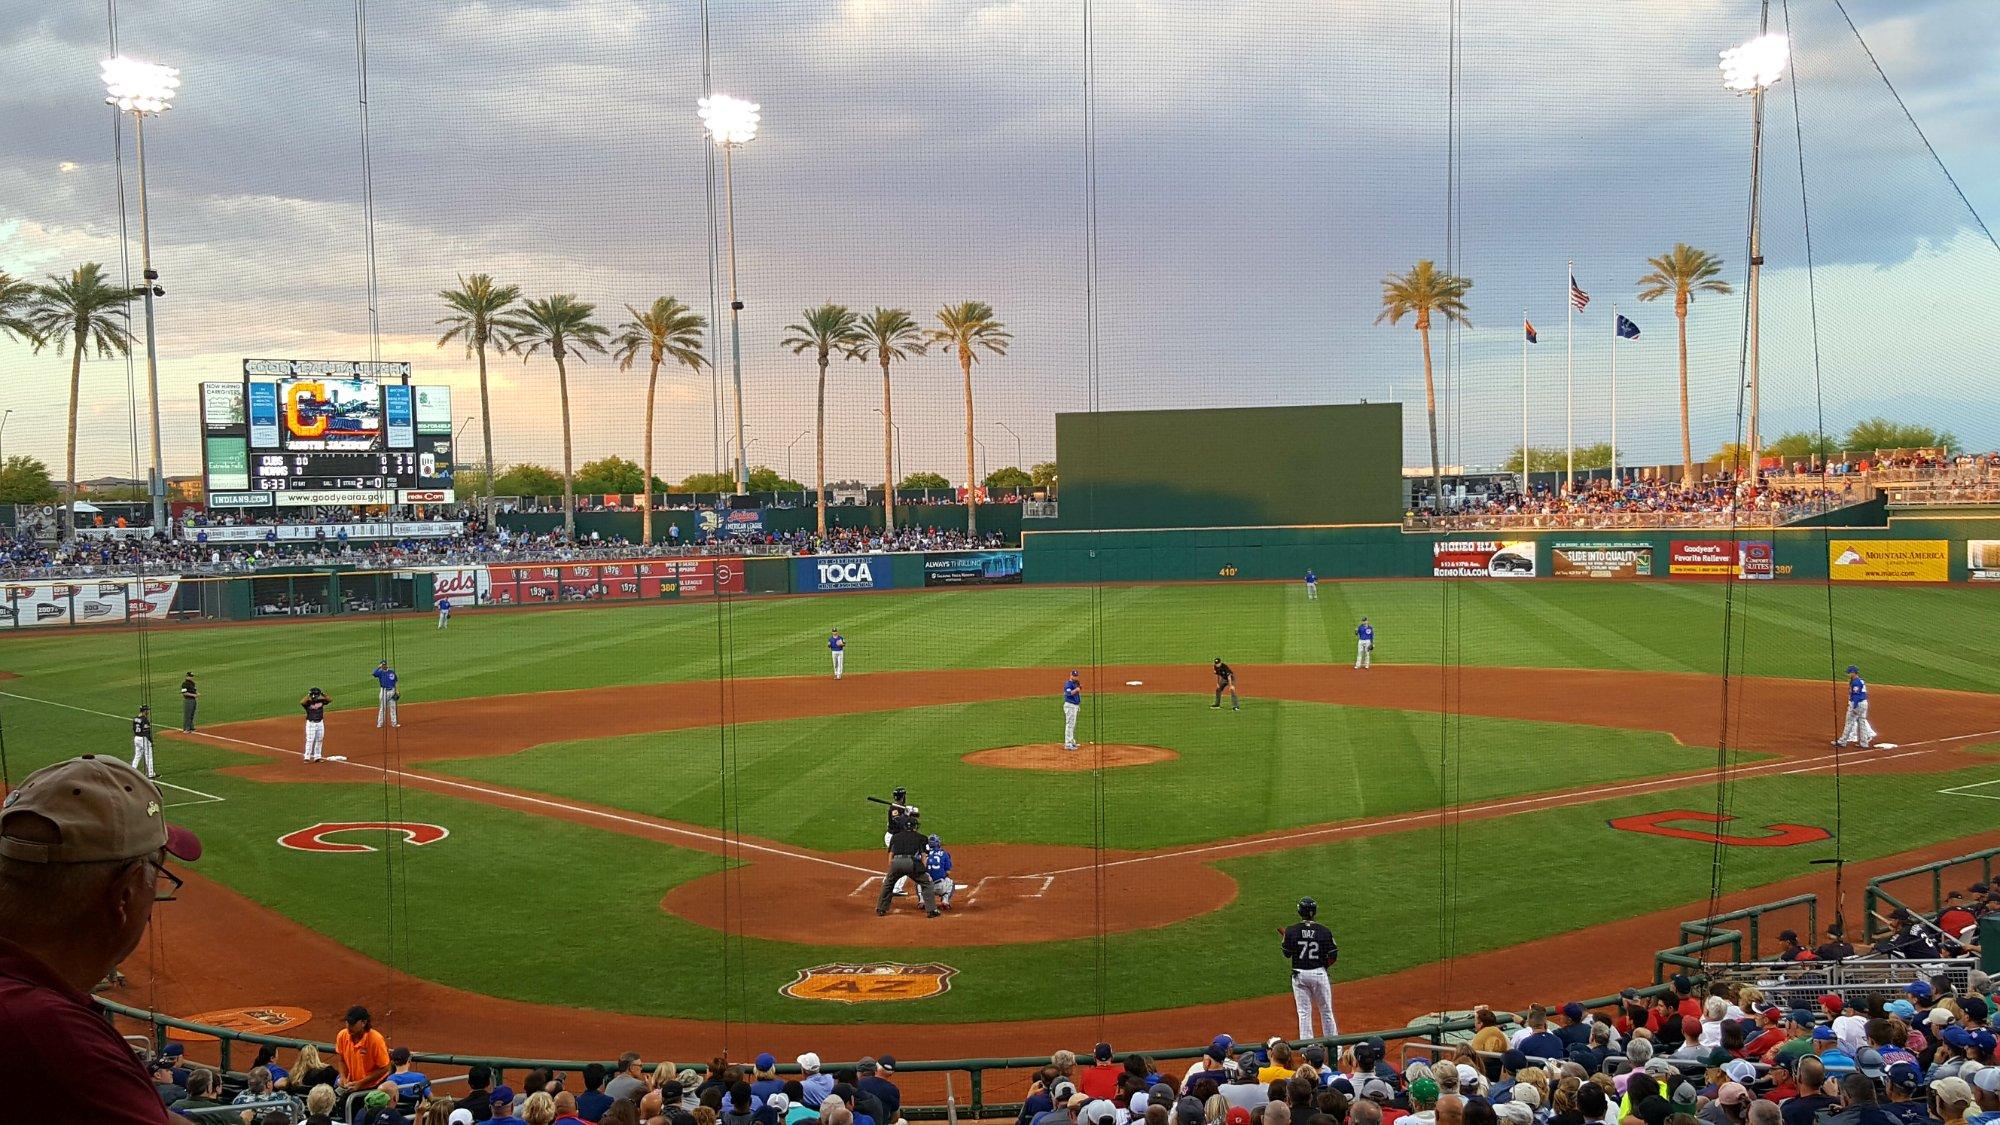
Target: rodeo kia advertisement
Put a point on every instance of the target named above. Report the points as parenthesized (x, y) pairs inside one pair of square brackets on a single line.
[(643, 579), (95, 601), (1475, 558)]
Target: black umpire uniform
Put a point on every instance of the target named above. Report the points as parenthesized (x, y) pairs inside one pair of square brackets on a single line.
[(906, 861), (190, 699)]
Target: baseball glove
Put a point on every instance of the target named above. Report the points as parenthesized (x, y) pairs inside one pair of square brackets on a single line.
[(396, 695)]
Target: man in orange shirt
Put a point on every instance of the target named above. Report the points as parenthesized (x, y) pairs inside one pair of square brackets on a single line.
[(364, 1054)]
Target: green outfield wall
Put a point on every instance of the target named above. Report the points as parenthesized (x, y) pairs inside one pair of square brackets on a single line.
[(1248, 466), (1003, 518), (1929, 548)]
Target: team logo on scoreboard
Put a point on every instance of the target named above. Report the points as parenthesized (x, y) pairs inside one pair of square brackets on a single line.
[(873, 983)]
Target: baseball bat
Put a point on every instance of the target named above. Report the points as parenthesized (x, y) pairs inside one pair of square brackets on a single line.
[(880, 801)]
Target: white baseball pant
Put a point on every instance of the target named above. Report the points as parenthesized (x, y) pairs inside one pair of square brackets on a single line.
[(1858, 730), (1364, 652), (385, 706), (142, 750), (839, 660), (315, 738), (1311, 989), (1312, 591), (1069, 724), (941, 890), (444, 618)]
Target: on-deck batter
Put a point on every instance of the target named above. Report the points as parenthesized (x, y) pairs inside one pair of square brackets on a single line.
[(1310, 948), (142, 739)]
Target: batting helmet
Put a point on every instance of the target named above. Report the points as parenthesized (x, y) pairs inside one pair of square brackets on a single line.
[(899, 793), (1308, 908)]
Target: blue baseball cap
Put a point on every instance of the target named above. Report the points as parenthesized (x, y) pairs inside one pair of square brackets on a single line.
[(1904, 1076), (1823, 1034), (766, 1061), (1218, 1047), (1902, 1010), (1919, 989), (1956, 1035), (1852, 669), (502, 1095)]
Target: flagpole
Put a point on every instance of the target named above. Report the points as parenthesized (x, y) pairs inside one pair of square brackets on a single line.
[(1569, 384), (1614, 394), (1524, 405)]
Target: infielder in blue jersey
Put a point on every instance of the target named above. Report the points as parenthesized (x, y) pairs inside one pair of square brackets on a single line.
[(386, 696), (1312, 585), (1857, 732), (837, 646), (1072, 703), (1364, 644)]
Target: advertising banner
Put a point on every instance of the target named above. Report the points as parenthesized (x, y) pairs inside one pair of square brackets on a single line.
[(466, 585), (323, 532), (434, 410), (724, 522), (399, 417), (1982, 560), (1889, 560), (96, 601), (1710, 557), (1478, 558), (222, 408), (827, 574), (1601, 560), (263, 412), (1756, 559), (620, 581), (973, 568), (226, 463), (238, 499)]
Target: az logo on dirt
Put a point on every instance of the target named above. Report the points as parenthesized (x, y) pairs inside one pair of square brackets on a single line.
[(879, 982)]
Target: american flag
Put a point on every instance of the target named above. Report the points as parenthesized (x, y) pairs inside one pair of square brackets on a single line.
[(1577, 297)]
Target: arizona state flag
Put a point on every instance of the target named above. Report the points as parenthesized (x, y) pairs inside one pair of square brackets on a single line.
[(1529, 327)]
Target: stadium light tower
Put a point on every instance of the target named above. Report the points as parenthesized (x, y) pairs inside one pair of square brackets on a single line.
[(732, 123), (145, 89), (1752, 69)]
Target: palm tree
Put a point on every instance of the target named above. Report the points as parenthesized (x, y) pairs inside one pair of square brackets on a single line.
[(823, 331), (965, 328), (887, 335), (666, 328), (478, 308), (1424, 292), (1683, 271), (16, 296), (562, 324), (79, 312)]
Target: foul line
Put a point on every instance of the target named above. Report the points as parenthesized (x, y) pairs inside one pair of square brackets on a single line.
[(502, 794)]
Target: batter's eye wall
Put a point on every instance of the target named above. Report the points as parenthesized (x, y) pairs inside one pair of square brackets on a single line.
[(1240, 467)]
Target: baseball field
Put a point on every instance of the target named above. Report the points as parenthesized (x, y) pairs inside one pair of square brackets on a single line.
[(656, 813)]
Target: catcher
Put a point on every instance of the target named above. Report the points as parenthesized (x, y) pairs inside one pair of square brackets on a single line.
[(387, 695)]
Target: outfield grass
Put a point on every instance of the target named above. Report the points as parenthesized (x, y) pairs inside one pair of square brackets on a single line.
[(1276, 764)]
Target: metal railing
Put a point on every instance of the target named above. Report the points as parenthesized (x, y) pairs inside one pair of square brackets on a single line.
[(1704, 934), (1877, 892)]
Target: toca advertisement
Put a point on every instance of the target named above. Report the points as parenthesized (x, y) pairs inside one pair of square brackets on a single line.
[(1473, 558), (828, 574), (1889, 560), (1601, 560), (973, 568)]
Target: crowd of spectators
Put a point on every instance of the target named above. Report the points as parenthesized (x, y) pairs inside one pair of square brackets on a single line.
[(1634, 502)]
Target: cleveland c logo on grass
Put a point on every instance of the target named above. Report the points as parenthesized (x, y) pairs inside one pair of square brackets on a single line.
[(314, 839), (1656, 824)]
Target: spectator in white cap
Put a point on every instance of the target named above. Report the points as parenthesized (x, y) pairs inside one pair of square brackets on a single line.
[(83, 858), (1951, 1099), (816, 1085), (1985, 1095)]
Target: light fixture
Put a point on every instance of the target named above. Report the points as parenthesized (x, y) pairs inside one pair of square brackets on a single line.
[(139, 87), (731, 121), (1756, 65)]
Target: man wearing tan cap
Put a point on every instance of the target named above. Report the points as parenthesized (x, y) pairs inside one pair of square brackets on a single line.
[(83, 854)]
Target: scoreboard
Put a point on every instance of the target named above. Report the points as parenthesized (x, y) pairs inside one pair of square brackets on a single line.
[(297, 433)]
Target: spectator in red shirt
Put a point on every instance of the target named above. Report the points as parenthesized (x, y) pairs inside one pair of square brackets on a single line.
[(1100, 1079), (83, 853)]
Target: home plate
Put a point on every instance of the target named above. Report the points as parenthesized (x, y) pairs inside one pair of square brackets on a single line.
[(1133, 683)]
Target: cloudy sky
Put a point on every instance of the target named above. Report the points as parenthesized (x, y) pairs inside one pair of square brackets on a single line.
[(1260, 165)]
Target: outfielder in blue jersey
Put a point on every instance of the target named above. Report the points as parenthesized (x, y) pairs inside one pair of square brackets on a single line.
[(1072, 692), (1364, 644), (1312, 585), (836, 645), (937, 866), (1858, 731)]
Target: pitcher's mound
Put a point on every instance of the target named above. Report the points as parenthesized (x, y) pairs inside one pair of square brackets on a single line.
[(1051, 756)]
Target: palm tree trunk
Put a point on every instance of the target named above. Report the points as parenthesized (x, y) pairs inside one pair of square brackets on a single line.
[(1687, 436), (486, 427), (569, 485), (971, 501), (75, 393), (819, 455), (646, 490), (888, 455), (1431, 408)]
